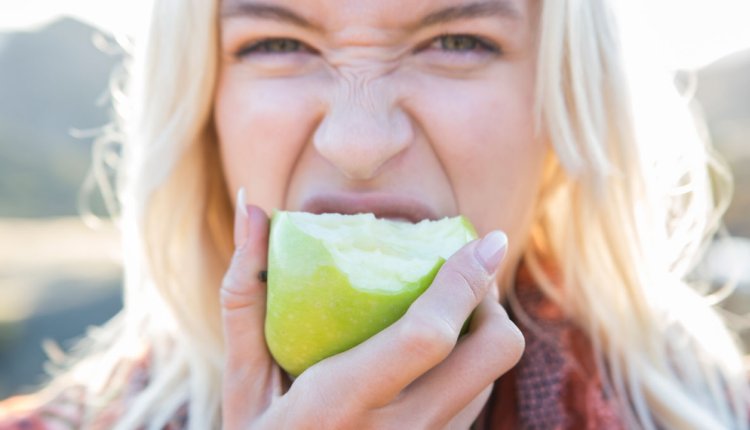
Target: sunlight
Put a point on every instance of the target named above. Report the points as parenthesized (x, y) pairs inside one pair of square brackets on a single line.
[(689, 34), (116, 16), (692, 33)]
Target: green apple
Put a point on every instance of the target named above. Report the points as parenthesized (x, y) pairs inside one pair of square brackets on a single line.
[(335, 280)]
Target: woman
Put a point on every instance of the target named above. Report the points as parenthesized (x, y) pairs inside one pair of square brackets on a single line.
[(519, 114)]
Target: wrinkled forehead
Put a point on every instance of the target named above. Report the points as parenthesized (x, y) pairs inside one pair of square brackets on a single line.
[(333, 15)]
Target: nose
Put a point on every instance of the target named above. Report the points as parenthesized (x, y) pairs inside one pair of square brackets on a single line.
[(362, 129)]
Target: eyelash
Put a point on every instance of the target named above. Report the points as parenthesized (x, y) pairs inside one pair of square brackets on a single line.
[(277, 46), (271, 46), (475, 43)]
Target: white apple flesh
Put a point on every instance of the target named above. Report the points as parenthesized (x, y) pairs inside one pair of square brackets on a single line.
[(335, 280)]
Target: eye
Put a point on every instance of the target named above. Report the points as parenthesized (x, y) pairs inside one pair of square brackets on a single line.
[(273, 46), (463, 43)]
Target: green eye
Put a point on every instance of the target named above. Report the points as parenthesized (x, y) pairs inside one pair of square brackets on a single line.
[(273, 46), (280, 45), (458, 43), (464, 43)]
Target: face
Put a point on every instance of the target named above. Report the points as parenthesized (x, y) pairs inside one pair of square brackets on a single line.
[(407, 109)]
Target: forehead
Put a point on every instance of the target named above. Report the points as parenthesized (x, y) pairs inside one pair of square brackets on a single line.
[(334, 14)]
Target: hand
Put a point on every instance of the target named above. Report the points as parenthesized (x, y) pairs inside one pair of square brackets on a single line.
[(414, 374)]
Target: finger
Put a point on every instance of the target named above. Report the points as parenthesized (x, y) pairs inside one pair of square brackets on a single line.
[(470, 413), (493, 346), (243, 299), (243, 294), (389, 361)]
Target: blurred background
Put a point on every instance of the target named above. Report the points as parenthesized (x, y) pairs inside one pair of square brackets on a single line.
[(59, 276)]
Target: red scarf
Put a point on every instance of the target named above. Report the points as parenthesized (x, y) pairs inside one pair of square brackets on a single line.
[(556, 385)]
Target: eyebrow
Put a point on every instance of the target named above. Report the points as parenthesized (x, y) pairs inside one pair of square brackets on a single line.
[(478, 9), (265, 11), (504, 8)]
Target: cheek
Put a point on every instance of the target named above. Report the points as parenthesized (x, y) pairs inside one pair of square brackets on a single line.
[(483, 134), (262, 126)]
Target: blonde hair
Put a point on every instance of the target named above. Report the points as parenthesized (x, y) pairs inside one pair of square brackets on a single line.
[(632, 198), (623, 217)]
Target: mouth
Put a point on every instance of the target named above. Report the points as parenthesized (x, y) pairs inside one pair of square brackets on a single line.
[(382, 205)]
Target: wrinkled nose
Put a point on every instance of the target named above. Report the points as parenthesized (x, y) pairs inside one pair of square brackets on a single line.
[(363, 128)]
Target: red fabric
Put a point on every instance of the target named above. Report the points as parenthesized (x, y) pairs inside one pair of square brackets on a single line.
[(67, 411), (555, 386)]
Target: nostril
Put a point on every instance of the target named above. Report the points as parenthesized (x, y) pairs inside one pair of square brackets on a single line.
[(358, 140)]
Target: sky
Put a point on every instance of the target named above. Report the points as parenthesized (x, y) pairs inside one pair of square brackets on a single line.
[(120, 16), (693, 33)]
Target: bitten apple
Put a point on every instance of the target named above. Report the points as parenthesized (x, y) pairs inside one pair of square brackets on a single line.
[(335, 280)]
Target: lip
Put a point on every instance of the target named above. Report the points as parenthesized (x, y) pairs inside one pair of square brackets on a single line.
[(382, 205)]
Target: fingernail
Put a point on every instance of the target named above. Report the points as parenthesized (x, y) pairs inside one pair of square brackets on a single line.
[(241, 227), (491, 250)]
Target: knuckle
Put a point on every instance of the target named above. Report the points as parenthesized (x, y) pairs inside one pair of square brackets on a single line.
[(239, 275), (229, 281), (503, 341), (232, 276), (512, 337), (236, 291), (431, 339), (230, 299), (518, 342), (466, 276), (472, 285), (231, 285)]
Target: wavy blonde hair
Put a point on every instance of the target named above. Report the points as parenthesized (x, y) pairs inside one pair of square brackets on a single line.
[(631, 201), (623, 216)]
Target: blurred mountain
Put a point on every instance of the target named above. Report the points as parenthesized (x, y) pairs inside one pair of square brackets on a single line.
[(52, 82), (723, 91)]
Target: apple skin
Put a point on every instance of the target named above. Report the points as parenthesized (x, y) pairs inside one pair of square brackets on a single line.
[(313, 311)]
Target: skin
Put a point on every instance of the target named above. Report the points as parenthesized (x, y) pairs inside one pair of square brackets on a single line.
[(363, 99)]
